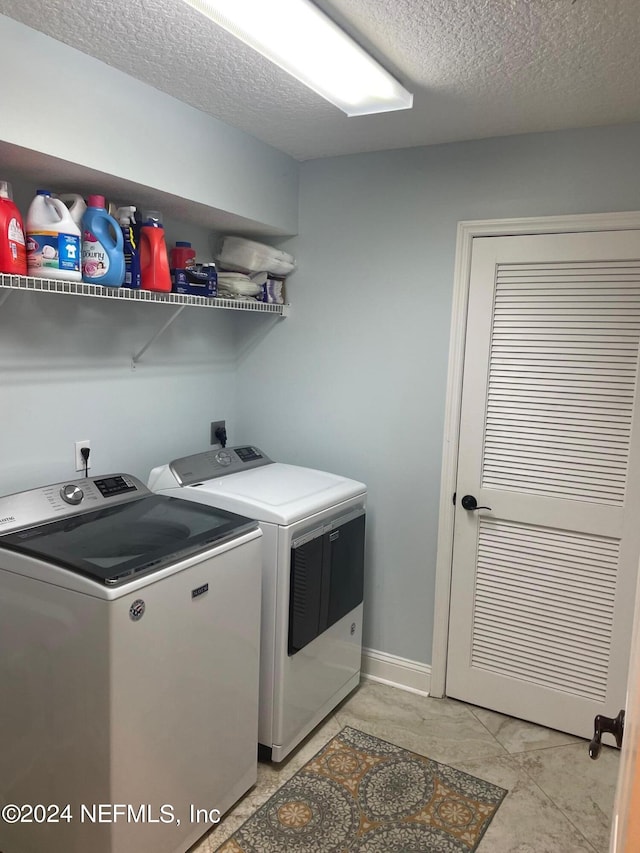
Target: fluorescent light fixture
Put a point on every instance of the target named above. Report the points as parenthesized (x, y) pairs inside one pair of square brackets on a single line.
[(303, 41)]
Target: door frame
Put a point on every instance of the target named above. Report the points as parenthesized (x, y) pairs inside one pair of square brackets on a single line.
[(467, 231)]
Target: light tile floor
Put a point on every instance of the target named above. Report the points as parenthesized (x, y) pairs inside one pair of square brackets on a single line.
[(559, 800)]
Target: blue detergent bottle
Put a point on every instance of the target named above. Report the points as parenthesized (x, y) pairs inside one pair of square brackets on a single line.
[(102, 245)]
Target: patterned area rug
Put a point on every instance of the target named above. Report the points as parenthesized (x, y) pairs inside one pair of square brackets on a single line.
[(364, 795)]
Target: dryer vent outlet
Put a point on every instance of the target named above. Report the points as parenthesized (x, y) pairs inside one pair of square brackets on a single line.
[(218, 432)]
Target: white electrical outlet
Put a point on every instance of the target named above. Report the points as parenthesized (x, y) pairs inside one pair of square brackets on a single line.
[(79, 460)]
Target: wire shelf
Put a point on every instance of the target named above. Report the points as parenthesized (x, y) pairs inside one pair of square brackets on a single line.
[(77, 288)]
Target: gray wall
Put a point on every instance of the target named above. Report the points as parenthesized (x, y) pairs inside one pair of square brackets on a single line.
[(66, 376), (354, 382)]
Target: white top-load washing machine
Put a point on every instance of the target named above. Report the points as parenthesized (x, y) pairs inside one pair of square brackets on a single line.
[(129, 667), (313, 565)]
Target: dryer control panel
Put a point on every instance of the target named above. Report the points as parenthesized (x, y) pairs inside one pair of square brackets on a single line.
[(38, 506), (190, 470)]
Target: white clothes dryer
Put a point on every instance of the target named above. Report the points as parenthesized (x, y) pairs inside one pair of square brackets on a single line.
[(313, 526)]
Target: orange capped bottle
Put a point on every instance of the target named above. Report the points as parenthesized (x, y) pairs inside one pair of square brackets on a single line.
[(154, 261)]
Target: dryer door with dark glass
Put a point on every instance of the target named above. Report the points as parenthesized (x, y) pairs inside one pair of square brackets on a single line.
[(327, 575)]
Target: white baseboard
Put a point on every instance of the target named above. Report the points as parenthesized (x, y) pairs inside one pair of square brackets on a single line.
[(396, 672)]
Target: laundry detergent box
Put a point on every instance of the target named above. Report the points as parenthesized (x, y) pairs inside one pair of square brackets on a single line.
[(201, 280), (272, 291)]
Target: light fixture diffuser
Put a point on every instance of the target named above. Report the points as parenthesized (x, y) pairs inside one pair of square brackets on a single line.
[(303, 41)]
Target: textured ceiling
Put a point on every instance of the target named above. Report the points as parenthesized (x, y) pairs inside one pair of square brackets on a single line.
[(477, 68)]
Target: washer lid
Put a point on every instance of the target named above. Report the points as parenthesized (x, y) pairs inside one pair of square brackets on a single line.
[(125, 541), (277, 492)]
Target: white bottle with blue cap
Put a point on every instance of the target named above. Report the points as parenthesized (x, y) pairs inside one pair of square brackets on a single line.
[(53, 239)]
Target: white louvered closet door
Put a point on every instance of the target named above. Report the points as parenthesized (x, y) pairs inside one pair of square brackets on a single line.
[(543, 582)]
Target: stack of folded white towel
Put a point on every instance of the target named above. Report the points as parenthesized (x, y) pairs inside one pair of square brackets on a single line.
[(237, 285), (250, 270)]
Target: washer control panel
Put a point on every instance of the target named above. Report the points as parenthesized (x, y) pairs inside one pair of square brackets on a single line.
[(216, 463), (117, 484), (37, 506)]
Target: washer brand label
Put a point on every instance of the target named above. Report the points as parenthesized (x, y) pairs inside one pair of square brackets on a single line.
[(7, 519), (195, 593), (136, 611)]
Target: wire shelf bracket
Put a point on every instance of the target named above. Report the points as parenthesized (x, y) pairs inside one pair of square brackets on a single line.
[(11, 283), (136, 358)]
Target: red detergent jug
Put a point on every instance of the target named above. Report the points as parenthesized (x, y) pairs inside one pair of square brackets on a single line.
[(154, 262), (13, 250)]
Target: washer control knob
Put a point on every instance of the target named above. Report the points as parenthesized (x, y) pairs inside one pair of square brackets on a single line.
[(223, 458), (71, 494)]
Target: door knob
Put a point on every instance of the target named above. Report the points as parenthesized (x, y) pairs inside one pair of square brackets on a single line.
[(603, 725), (470, 503)]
